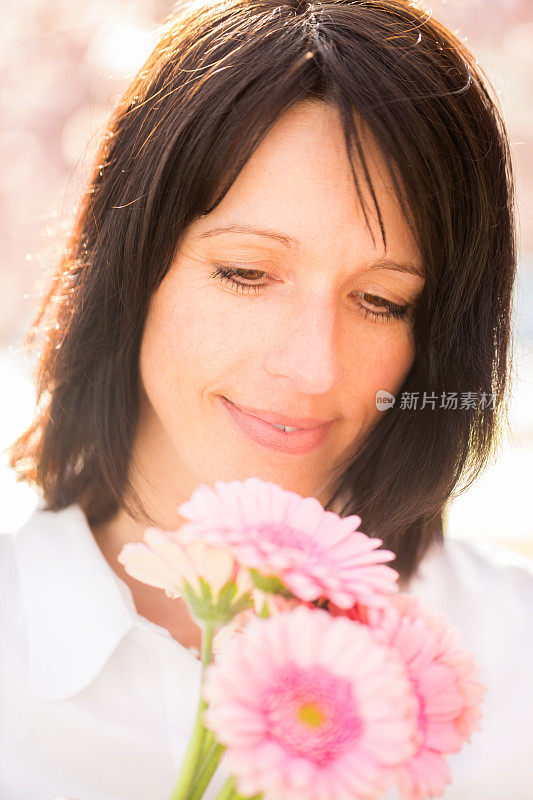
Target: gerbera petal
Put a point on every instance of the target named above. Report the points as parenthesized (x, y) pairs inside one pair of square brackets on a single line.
[(143, 564), (443, 737), (302, 585)]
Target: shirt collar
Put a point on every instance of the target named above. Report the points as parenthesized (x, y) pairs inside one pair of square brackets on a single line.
[(77, 610)]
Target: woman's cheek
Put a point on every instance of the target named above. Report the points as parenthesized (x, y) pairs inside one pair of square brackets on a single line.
[(397, 361), (240, 325), (383, 362)]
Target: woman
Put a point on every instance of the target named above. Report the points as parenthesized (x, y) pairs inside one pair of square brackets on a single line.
[(297, 209)]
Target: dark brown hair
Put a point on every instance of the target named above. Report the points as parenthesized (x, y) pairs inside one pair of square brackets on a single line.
[(220, 77)]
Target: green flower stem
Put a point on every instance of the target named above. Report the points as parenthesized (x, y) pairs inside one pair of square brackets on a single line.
[(228, 790), (184, 784), (209, 764), (209, 738), (188, 767), (207, 644)]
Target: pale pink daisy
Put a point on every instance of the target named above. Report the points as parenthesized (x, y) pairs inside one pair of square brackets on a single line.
[(444, 678), (315, 553), (310, 707), (166, 558)]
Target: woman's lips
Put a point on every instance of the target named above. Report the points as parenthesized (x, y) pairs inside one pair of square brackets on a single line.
[(263, 433)]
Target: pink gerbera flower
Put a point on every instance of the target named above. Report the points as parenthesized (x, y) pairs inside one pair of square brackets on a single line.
[(315, 553), (444, 678), (310, 707)]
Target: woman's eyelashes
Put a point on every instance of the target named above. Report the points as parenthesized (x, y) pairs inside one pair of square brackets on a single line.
[(247, 280)]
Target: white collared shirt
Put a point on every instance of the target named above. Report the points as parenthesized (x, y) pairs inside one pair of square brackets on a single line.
[(98, 703)]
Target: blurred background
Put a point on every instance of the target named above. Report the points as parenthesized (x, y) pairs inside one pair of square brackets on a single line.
[(64, 63)]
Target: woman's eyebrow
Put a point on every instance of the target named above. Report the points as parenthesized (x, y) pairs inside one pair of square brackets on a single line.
[(398, 266), (289, 241)]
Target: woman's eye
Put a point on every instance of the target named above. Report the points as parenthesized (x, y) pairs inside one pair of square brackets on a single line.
[(228, 275), (247, 280), (392, 309)]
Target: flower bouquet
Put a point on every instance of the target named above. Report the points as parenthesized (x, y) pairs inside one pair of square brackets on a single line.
[(320, 680)]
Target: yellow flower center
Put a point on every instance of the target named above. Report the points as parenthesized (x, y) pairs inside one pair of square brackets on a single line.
[(311, 715)]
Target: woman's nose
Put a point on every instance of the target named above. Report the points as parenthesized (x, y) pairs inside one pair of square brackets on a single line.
[(306, 346)]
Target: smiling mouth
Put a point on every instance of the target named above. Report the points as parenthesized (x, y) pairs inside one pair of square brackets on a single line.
[(283, 438), (281, 421)]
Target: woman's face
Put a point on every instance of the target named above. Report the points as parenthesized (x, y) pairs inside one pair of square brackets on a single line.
[(307, 335)]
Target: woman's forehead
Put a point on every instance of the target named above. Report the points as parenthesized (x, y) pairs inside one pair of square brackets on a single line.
[(298, 185)]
